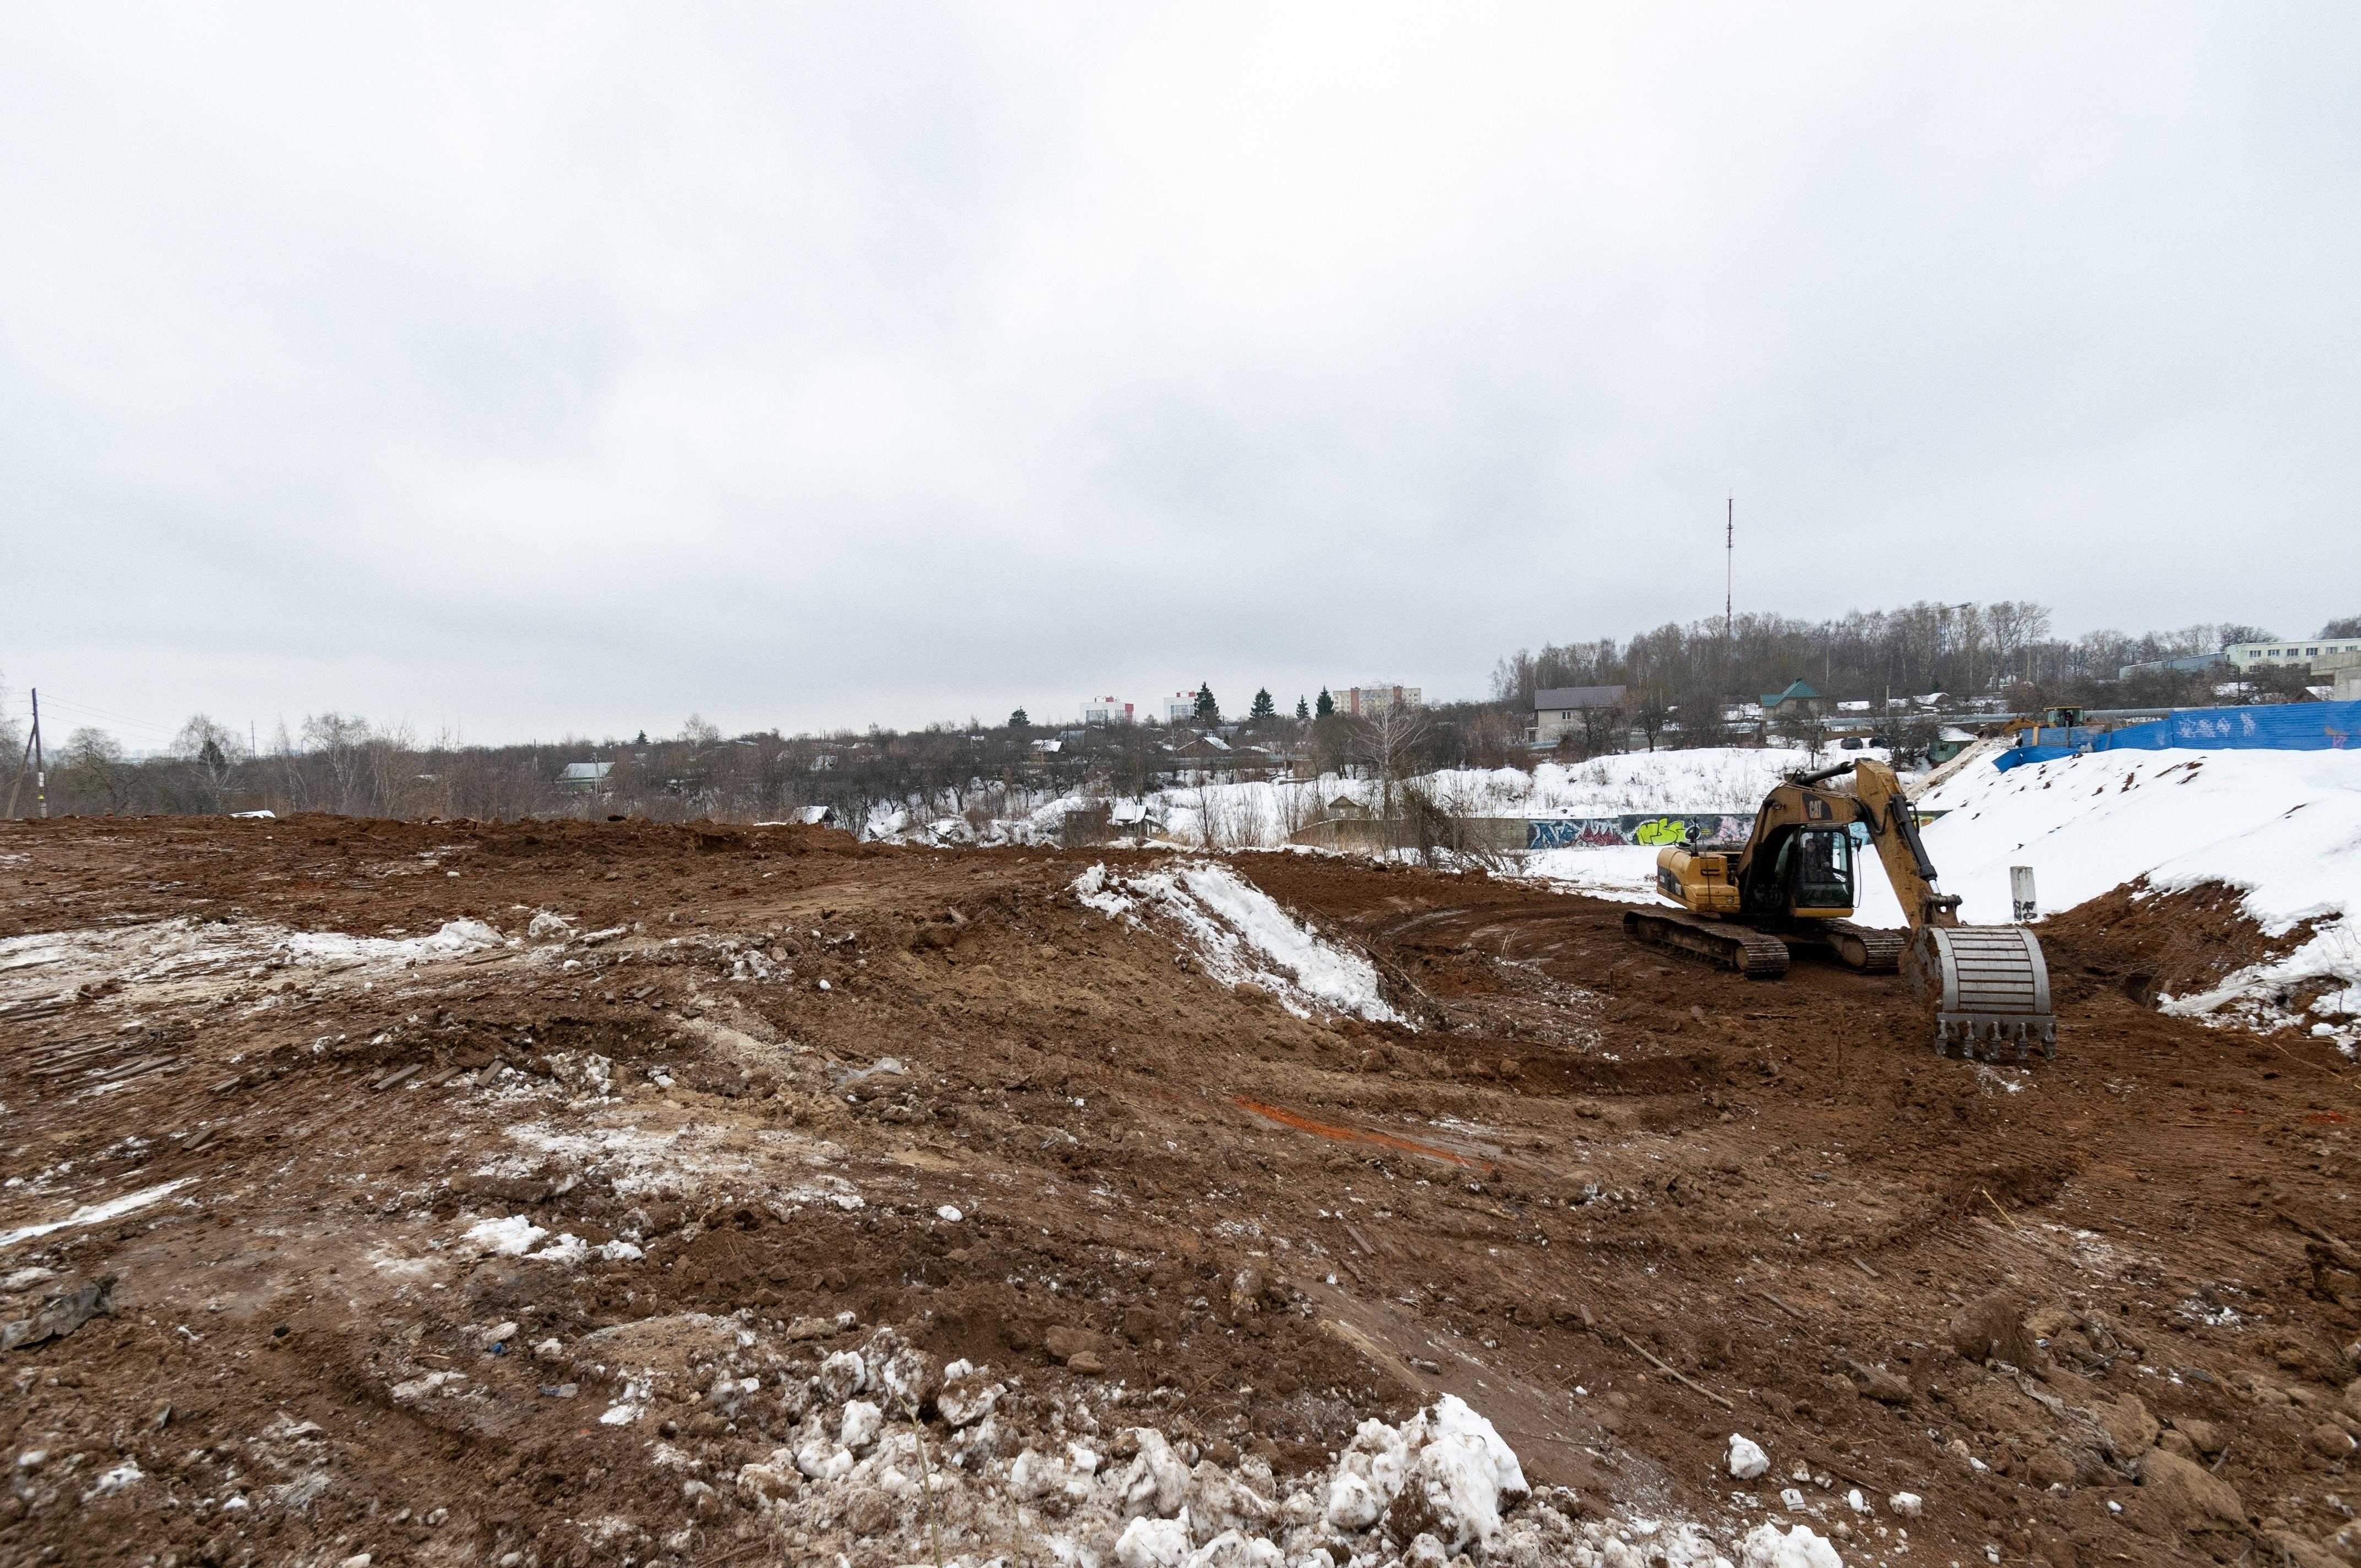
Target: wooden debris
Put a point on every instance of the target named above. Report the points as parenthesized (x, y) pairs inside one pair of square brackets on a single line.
[(1681, 1377)]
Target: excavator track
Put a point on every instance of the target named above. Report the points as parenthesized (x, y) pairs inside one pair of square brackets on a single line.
[(1749, 952), (1865, 948)]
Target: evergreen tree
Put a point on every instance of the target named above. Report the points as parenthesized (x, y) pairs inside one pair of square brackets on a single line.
[(1303, 710), (1208, 710), (642, 739), (1327, 704), (1263, 707), (1017, 720)]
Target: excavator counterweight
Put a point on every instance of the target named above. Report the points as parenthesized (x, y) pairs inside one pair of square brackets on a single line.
[(1790, 888)]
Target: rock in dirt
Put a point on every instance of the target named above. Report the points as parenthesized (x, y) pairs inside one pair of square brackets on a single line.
[(2131, 1430), (2205, 1435), (1746, 1458), (61, 1314), (2191, 1497), (1065, 1343), (2289, 1550), (1992, 1329), (1886, 1387)]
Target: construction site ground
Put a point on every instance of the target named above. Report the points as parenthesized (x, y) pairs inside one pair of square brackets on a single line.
[(1622, 1204)]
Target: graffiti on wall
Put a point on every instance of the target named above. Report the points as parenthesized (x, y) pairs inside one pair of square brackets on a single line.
[(1712, 828)]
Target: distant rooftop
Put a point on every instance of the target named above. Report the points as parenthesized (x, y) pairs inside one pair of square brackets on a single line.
[(1556, 699)]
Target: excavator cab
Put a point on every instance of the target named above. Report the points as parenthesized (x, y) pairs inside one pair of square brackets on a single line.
[(1811, 874)]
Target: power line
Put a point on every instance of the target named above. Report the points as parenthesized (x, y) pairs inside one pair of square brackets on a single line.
[(120, 721)]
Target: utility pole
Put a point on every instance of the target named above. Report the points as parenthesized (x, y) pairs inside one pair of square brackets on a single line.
[(40, 765), (1730, 564)]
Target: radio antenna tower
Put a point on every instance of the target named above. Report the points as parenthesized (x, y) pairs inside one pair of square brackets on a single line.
[(1730, 562)]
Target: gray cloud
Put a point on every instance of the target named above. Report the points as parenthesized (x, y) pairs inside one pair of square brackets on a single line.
[(575, 370)]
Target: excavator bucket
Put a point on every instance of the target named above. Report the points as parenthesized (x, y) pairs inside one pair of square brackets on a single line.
[(1990, 989)]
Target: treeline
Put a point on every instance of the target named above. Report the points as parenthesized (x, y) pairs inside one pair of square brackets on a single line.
[(1681, 683), (341, 763), (1968, 651)]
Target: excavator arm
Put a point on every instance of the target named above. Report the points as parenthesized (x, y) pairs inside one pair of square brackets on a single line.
[(1885, 811)]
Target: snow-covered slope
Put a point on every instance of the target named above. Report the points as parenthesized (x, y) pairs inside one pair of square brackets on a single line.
[(2283, 827), (1262, 815)]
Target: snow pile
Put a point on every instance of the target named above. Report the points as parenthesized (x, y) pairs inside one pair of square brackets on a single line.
[(1439, 1485), (504, 1238), (1446, 1461), (1768, 1546), (1240, 935)]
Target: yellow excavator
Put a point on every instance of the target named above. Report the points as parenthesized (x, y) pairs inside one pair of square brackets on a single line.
[(1790, 888)]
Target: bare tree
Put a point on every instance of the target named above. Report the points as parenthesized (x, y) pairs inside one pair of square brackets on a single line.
[(93, 765), (1388, 742), (210, 751), (340, 742), (2015, 625)]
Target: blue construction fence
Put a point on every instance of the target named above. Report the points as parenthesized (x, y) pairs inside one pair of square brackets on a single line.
[(2280, 727)]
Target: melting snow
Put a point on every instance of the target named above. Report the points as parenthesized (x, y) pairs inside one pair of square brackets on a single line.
[(97, 1214), (505, 1238), (1241, 935), (455, 939)]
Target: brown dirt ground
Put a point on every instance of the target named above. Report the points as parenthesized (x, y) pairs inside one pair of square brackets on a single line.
[(1709, 1205)]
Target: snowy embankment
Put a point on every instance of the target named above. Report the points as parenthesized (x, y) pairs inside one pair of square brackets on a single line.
[(2283, 828), (1264, 815), (1241, 935)]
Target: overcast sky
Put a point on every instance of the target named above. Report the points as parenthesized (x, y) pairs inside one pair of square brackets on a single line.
[(568, 372)]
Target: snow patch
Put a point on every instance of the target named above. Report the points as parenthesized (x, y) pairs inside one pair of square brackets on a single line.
[(454, 938), (1240, 935), (504, 1238), (97, 1213)]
